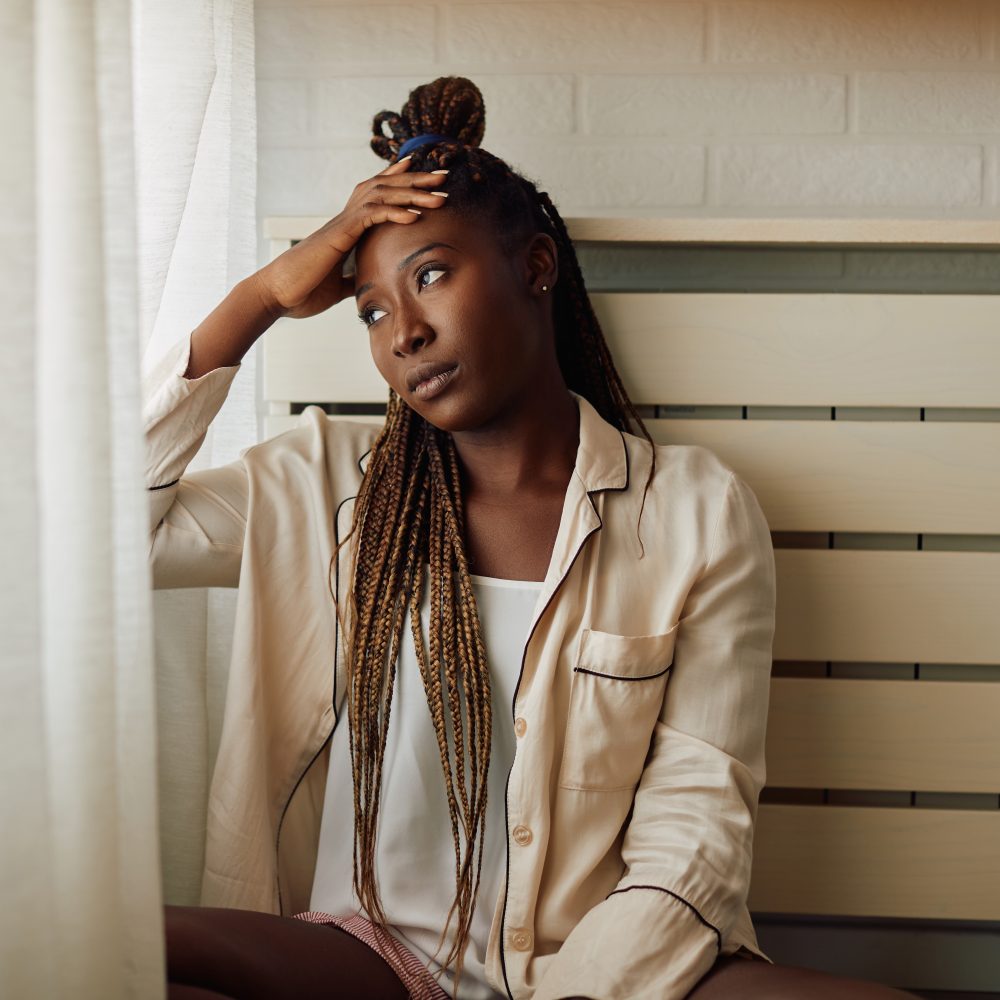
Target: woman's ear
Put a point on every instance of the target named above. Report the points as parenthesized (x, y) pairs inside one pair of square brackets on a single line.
[(542, 264)]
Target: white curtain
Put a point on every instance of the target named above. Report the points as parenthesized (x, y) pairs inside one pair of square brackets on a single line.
[(196, 142), (127, 187)]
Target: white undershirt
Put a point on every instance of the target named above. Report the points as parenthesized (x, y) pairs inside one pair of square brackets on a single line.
[(415, 854)]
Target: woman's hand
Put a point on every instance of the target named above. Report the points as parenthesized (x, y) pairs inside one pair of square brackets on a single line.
[(307, 278)]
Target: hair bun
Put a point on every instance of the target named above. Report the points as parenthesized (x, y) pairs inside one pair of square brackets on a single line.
[(450, 105)]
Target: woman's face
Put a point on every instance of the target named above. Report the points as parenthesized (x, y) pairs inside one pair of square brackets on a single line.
[(443, 303)]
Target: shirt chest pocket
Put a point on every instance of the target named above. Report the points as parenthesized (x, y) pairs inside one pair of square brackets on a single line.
[(617, 691)]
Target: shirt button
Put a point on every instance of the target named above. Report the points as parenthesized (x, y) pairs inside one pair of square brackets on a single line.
[(522, 835), (520, 726), (521, 940)]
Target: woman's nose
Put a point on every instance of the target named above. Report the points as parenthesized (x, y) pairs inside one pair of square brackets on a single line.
[(411, 333)]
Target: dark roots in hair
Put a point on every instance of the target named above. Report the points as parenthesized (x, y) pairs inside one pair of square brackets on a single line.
[(409, 515)]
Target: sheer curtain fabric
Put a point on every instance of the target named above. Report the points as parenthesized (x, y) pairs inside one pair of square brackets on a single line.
[(114, 242)]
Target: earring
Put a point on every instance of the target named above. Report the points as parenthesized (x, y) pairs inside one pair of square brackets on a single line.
[(545, 288)]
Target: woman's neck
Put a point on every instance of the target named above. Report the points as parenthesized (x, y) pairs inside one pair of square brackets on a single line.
[(531, 450)]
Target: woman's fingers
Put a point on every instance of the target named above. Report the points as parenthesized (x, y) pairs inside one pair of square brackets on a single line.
[(398, 175), (400, 171), (308, 278), (399, 167), (398, 197), (416, 183), (372, 198), (374, 214), (385, 194)]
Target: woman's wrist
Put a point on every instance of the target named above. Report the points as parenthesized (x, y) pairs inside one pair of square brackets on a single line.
[(223, 338)]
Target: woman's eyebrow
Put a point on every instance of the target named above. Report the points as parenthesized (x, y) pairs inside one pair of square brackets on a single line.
[(416, 253), (402, 264)]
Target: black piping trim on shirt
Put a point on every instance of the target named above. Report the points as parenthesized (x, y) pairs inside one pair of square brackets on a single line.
[(617, 677), (336, 582), (336, 717), (164, 486), (281, 819), (517, 687), (659, 888)]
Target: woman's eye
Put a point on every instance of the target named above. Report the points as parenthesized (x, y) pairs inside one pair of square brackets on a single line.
[(424, 274), (370, 315)]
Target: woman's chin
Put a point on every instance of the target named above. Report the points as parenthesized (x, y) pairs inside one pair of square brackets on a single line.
[(452, 413)]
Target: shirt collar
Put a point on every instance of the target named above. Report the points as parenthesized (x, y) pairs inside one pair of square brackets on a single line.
[(602, 458)]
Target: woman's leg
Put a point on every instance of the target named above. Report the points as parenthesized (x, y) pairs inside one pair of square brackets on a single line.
[(258, 956), (752, 980)]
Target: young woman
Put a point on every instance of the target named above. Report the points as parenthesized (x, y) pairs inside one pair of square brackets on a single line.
[(496, 712)]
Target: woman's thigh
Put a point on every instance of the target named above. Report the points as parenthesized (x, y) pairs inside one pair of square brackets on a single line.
[(260, 956), (746, 979)]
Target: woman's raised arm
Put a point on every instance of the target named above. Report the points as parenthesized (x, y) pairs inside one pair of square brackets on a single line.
[(308, 277), (198, 522)]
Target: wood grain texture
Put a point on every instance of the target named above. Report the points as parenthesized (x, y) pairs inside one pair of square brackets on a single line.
[(715, 348), (795, 231), (938, 864), (901, 735), (859, 475), (890, 607), (801, 349)]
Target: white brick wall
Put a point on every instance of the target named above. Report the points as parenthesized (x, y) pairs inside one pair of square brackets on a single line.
[(703, 107)]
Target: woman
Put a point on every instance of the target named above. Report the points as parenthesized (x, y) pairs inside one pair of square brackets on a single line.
[(589, 617)]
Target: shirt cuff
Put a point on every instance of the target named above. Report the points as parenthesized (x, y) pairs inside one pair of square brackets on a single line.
[(177, 412), (641, 944)]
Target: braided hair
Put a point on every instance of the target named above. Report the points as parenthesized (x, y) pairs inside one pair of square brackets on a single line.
[(409, 514)]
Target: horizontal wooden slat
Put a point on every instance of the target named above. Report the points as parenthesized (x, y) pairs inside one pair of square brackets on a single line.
[(789, 231), (853, 475), (938, 736), (322, 359), (862, 861), (768, 231), (715, 348), (894, 607), (805, 349), (848, 475)]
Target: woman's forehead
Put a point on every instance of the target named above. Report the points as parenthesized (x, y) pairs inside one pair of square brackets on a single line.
[(387, 245)]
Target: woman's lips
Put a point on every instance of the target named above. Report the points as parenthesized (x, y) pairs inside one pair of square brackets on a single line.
[(435, 384)]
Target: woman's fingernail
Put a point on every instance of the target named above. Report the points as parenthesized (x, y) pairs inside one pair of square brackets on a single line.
[(440, 194), (414, 211), (439, 171), (405, 158)]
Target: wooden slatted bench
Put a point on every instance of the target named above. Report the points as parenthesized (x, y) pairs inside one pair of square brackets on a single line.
[(865, 415)]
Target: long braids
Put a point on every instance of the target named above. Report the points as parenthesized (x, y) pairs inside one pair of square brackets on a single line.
[(409, 515)]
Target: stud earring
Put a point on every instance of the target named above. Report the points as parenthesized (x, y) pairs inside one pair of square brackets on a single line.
[(545, 288)]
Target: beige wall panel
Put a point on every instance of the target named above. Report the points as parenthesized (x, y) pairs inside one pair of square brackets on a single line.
[(753, 349), (891, 607), (853, 475), (885, 232), (939, 736), (778, 232), (323, 359), (939, 864), (805, 349), (844, 475)]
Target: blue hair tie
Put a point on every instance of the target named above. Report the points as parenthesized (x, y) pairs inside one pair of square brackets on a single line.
[(420, 140)]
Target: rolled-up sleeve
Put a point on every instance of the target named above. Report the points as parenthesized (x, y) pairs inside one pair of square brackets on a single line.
[(688, 844), (196, 522)]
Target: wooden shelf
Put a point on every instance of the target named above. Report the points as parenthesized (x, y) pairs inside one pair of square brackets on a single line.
[(912, 232)]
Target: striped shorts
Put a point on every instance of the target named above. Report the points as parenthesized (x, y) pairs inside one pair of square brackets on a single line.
[(414, 975)]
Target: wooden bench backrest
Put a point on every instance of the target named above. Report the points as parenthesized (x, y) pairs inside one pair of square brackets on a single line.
[(883, 745)]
